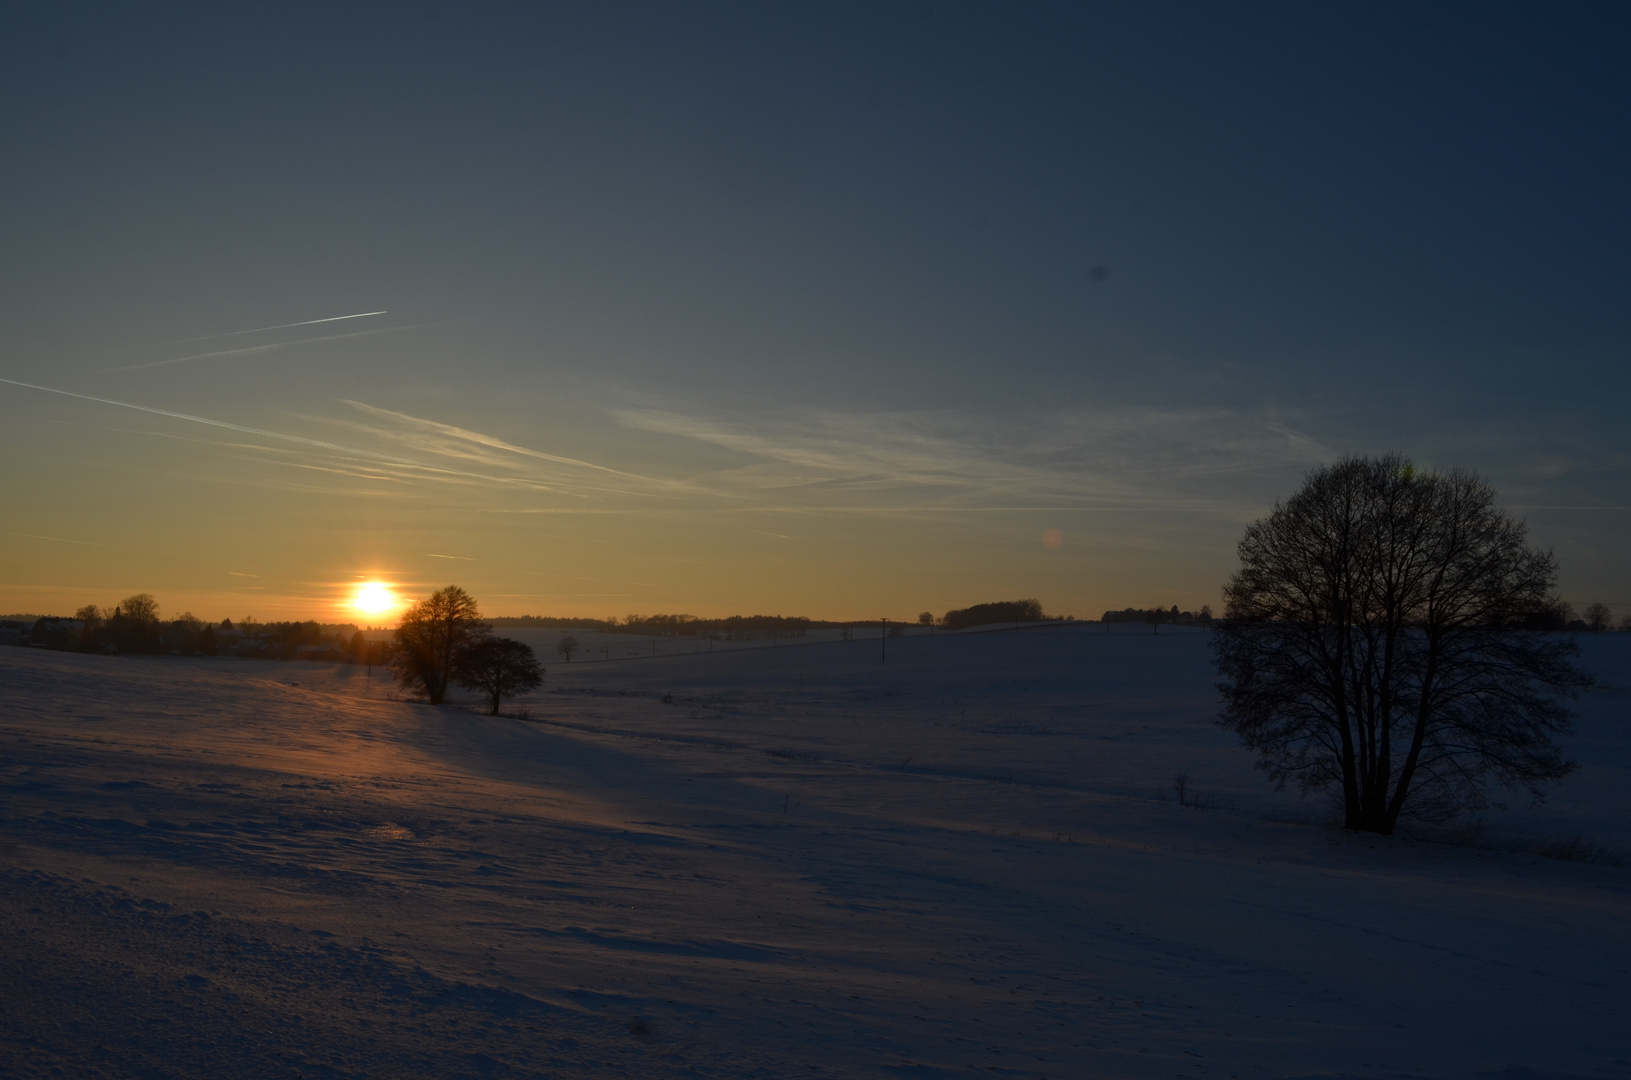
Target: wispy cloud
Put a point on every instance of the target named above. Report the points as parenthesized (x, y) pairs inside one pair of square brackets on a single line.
[(365, 458), (902, 463), (1112, 459), (449, 431), (507, 462), (896, 463), (182, 416)]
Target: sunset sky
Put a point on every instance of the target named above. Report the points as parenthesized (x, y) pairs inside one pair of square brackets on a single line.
[(836, 311)]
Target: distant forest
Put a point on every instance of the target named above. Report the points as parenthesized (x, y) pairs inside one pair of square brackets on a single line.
[(1155, 617), (753, 627), (1002, 611), (734, 628), (136, 626)]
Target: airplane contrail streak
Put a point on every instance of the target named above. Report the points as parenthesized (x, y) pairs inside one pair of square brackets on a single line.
[(64, 540), (433, 471), (264, 329), (185, 416), (249, 349)]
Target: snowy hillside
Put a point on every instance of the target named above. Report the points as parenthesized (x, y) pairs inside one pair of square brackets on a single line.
[(788, 860)]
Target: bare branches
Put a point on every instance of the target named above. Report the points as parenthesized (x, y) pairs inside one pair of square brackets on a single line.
[(430, 638), (1373, 644), (499, 668)]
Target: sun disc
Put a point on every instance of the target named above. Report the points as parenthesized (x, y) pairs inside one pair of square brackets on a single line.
[(374, 598)]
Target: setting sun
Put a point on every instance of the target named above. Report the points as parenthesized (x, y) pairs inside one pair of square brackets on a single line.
[(374, 598)]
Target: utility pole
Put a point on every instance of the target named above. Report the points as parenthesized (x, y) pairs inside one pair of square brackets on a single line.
[(883, 653)]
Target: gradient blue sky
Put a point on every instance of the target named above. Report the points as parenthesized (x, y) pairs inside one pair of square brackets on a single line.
[(829, 311)]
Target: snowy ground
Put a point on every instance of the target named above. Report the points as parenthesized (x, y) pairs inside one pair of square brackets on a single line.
[(780, 861)]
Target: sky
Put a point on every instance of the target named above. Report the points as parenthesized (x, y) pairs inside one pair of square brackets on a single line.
[(841, 311)]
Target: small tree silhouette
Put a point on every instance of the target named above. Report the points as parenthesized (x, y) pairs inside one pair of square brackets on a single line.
[(90, 635), (500, 668), (567, 646), (1597, 617), (137, 623)]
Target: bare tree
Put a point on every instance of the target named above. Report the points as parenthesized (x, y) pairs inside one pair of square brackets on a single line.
[(1373, 643), (182, 634), (1598, 618), (134, 625), (141, 608), (430, 637), (500, 668), (91, 618), (1157, 615), (567, 646)]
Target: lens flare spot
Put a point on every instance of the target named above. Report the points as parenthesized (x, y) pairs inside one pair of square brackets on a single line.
[(1052, 538)]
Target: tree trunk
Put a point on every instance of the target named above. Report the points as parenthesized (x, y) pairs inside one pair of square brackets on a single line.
[(1418, 737)]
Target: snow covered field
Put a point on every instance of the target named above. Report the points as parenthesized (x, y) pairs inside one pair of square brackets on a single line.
[(778, 861)]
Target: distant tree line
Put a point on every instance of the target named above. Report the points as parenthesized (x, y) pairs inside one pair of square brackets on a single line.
[(439, 641), (1155, 616), (1558, 616), (135, 625), (1595, 619), (551, 622), (1001, 611), (733, 628)]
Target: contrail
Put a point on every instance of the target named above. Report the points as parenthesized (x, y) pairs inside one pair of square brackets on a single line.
[(64, 540), (186, 416), (247, 349), (431, 469), (264, 329)]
